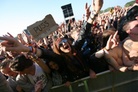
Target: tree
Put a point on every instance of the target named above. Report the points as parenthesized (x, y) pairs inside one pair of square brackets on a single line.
[(108, 9), (126, 5), (129, 3)]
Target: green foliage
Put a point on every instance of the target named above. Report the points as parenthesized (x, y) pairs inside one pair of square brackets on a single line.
[(126, 5), (129, 3), (108, 9), (101, 11)]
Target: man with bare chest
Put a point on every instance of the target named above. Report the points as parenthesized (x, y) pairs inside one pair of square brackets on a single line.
[(124, 57)]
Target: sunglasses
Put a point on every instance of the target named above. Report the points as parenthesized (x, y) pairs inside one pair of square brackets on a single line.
[(2, 58), (63, 41)]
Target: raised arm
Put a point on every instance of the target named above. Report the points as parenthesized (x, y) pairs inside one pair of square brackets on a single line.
[(96, 7)]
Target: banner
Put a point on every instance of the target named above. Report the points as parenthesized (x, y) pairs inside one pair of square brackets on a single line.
[(43, 28)]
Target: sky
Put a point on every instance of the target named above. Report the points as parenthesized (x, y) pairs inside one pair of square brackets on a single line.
[(16, 15)]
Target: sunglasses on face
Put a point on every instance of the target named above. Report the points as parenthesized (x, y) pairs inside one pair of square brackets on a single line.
[(2, 58), (63, 41)]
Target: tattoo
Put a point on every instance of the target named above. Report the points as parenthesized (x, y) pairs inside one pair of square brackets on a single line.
[(128, 44)]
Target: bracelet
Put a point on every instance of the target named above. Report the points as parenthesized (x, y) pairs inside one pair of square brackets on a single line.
[(106, 49), (93, 15)]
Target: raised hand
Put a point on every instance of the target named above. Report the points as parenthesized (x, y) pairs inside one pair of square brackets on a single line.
[(38, 86), (97, 5), (26, 38), (20, 39), (87, 11), (12, 44), (113, 41), (10, 34)]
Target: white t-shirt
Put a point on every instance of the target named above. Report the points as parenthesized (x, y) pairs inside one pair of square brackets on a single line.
[(39, 75)]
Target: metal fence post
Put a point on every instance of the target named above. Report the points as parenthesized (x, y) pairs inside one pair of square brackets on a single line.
[(86, 86), (70, 88)]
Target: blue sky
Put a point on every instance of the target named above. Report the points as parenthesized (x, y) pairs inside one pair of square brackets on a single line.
[(16, 15)]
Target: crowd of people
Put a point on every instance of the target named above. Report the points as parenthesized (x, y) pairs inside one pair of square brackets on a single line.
[(77, 49)]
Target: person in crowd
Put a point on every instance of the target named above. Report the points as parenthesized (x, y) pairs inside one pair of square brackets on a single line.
[(83, 33), (130, 15), (98, 61), (4, 86), (70, 60), (124, 57), (60, 73), (30, 74), (2, 57), (74, 60), (4, 68)]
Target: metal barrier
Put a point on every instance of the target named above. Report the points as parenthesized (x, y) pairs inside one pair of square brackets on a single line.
[(105, 82)]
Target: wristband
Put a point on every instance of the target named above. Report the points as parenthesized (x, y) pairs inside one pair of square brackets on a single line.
[(106, 49), (93, 15)]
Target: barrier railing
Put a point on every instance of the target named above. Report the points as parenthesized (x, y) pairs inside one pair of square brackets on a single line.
[(105, 82)]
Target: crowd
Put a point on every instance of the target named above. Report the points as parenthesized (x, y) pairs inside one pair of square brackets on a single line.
[(98, 42)]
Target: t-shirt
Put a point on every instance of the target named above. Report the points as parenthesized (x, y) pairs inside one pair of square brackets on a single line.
[(39, 75), (56, 78), (13, 83), (4, 86)]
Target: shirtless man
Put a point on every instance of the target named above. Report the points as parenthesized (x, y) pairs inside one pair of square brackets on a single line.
[(124, 57)]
